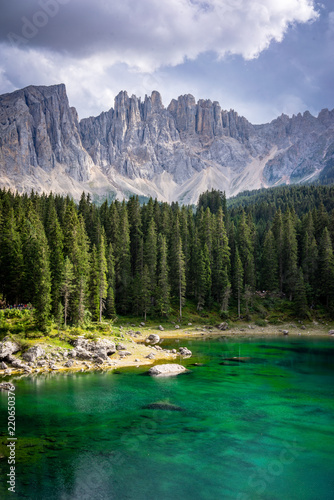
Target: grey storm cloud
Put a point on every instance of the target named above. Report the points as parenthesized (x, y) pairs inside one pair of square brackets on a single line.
[(261, 57), (150, 33)]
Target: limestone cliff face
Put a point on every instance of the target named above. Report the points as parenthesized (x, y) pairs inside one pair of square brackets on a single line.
[(141, 147), (38, 130)]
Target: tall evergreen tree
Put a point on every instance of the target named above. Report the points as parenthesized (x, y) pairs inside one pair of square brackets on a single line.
[(37, 276), (66, 285), (278, 233), (326, 268), (163, 291), (238, 278), (269, 263), (290, 254), (11, 259), (123, 262), (221, 261), (102, 275), (300, 295), (110, 303), (55, 238), (246, 250), (150, 257)]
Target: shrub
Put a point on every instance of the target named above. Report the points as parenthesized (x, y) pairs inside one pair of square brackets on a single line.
[(261, 322), (13, 313)]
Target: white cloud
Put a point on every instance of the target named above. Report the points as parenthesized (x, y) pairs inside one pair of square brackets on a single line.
[(152, 33), (98, 48)]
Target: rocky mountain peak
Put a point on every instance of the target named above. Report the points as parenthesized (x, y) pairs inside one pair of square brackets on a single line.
[(143, 148)]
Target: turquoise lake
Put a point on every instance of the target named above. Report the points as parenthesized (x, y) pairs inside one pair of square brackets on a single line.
[(258, 429)]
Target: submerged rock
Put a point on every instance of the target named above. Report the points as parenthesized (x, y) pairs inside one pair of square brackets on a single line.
[(184, 351), (163, 406), (239, 359), (166, 370), (7, 386)]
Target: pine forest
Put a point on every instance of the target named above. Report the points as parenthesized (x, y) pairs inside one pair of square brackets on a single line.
[(248, 255)]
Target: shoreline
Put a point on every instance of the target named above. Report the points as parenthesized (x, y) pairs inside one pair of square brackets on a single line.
[(138, 350)]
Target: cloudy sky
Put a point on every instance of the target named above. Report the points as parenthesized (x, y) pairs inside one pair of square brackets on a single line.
[(259, 57)]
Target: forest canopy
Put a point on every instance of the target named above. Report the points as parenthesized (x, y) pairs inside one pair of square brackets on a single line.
[(72, 260)]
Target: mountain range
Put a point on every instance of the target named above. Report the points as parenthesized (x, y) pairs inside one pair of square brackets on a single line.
[(141, 147)]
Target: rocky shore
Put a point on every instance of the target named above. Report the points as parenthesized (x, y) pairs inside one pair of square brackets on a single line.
[(85, 355), (130, 348)]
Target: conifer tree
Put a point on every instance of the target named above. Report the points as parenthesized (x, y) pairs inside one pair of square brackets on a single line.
[(137, 280), (146, 291), (203, 274), (238, 278), (55, 240), (300, 295), (110, 303), (181, 275), (150, 256), (246, 250), (279, 239), (102, 275), (269, 263), (326, 268), (66, 286), (123, 262), (93, 284), (37, 277), (290, 254), (76, 248), (163, 290), (11, 259), (136, 232), (221, 262)]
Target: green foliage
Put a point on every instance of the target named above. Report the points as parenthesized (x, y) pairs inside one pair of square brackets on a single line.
[(165, 261), (261, 322)]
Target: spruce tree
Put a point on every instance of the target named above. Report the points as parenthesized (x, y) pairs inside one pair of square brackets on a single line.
[(238, 278), (181, 274), (278, 233), (102, 275), (123, 262), (110, 303), (246, 250), (326, 268), (11, 259), (55, 240), (290, 254), (269, 272), (146, 291), (37, 276), (300, 295), (93, 285), (150, 257), (221, 262), (66, 286), (163, 290)]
